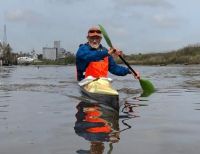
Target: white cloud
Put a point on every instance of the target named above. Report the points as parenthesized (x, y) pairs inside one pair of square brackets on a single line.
[(165, 21), (23, 15), (149, 3), (64, 1)]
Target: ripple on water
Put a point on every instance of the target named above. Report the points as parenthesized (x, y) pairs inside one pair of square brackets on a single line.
[(3, 109), (2, 106), (197, 106), (192, 84), (130, 90), (32, 87)]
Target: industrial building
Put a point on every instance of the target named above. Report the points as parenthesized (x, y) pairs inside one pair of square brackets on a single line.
[(54, 53)]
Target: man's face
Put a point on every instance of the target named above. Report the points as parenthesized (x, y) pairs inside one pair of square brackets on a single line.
[(94, 41)]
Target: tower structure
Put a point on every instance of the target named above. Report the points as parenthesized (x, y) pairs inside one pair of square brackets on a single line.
[(4, 36)]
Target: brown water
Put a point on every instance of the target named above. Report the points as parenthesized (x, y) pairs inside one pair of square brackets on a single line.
[(41, 113)]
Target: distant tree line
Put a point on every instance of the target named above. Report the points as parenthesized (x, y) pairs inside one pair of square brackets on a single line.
[(186, 55), (67, 60)]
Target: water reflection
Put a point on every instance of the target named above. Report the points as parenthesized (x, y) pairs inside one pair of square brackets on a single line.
[(5, 72), (4, 104), (100, 124), (97, 124)]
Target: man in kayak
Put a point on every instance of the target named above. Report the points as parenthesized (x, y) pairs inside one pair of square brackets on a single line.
[(92, 59)]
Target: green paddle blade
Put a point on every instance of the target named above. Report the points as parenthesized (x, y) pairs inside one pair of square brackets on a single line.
[(105, 35), (147, 87)]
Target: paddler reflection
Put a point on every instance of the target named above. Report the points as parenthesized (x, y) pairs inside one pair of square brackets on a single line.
[(96, 124)]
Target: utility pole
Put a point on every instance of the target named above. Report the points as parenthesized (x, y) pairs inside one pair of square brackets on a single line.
[(4, 36)]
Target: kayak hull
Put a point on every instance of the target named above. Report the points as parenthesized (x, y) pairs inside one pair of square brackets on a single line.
[(108, 100), (101, 91)]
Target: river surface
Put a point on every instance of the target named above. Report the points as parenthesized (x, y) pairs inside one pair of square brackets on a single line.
[(41, 110)]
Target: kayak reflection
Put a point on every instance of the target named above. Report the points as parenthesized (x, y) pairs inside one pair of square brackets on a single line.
[(97, 124)]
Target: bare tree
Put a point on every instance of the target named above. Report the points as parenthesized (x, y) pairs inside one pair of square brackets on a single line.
[(6, 54)]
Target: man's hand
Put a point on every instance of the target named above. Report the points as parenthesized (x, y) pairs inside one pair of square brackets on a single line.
[(137, 76), (115, 52)]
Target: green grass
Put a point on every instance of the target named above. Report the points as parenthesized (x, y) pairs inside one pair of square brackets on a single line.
[(65, 61), (187, 55)]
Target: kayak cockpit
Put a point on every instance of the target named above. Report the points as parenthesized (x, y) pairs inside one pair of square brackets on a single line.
[(101, 90)]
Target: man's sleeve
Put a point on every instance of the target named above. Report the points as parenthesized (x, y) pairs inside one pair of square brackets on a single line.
[(117, 69), (84, 54)]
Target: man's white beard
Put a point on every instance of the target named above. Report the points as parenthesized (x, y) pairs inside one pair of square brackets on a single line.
[(94, 45)]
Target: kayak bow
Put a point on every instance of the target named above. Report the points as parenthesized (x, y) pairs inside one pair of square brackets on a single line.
[(100, 90)]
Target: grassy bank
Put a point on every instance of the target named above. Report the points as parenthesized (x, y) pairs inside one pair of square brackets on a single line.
[(65, 61), (187, 55)]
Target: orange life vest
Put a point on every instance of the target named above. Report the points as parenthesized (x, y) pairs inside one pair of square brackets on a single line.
[(97, 69), (103, 129), (93, 116)]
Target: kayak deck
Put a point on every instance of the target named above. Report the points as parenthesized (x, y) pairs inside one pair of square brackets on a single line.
[(101, 91)]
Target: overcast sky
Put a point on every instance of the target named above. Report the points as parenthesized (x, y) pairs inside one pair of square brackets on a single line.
[(135, 26)]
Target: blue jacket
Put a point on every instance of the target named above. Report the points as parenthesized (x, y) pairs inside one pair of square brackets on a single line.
[(87, 54)]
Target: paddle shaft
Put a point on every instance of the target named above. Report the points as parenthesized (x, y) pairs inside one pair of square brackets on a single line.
[(127, 64), (108, 41)]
